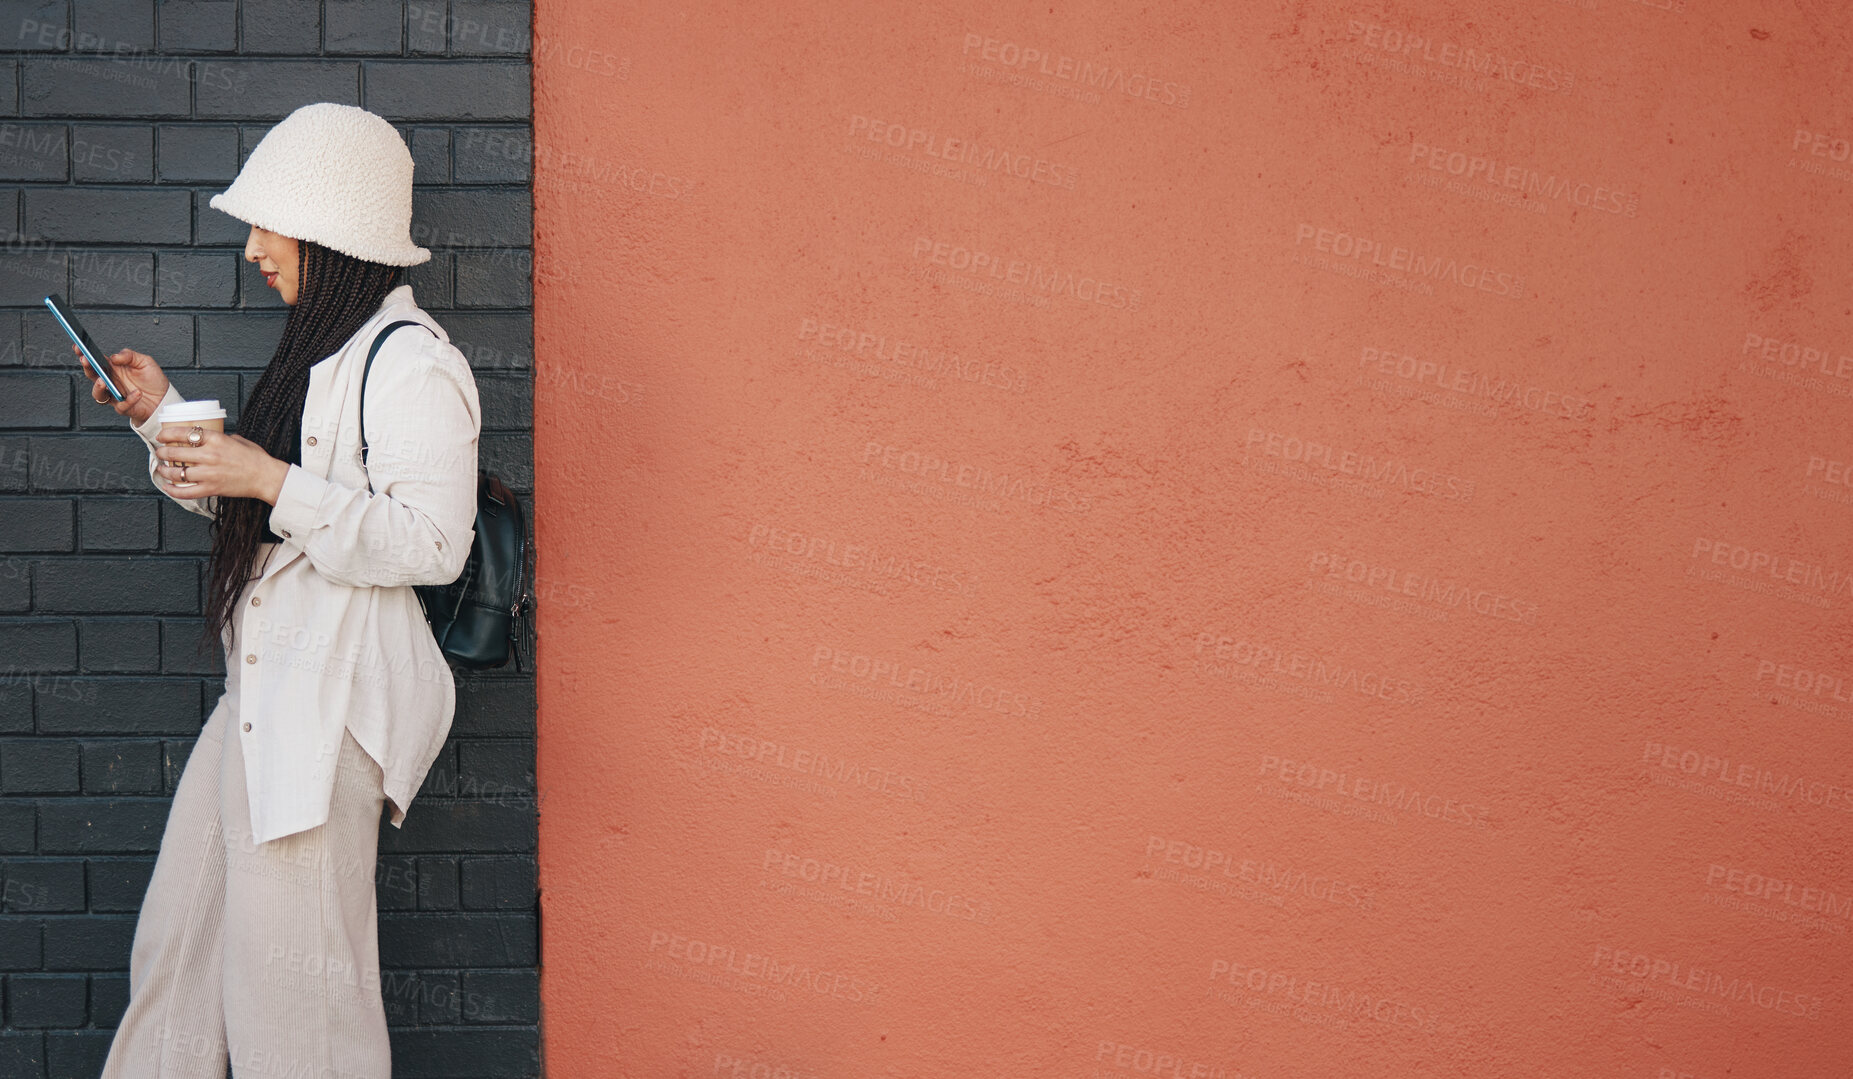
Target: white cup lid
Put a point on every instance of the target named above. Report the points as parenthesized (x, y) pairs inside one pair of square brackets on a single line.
[(183, 411)]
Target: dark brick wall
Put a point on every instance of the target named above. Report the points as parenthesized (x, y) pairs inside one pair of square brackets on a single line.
[(118, 120)]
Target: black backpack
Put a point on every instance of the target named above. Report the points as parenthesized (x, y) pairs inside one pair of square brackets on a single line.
[(478, 618)]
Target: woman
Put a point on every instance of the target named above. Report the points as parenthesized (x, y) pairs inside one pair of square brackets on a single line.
[(258, 936)]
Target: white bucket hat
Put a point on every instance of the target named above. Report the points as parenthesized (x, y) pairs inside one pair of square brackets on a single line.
[(335, 174)]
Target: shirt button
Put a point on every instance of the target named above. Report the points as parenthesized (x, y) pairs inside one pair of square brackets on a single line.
[(250, 659), (257, 601), (440, 544), (286, 533), (311, 440), (247, 726)]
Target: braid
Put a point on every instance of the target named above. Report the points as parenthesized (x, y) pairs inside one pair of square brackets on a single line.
[(339, 293)]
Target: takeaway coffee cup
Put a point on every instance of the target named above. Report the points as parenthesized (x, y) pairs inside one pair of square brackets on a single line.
[(187, 414)]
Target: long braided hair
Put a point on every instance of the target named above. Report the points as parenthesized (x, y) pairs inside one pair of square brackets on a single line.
[(337, 294)]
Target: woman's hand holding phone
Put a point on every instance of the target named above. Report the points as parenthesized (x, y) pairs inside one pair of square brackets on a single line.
[(142, 381)]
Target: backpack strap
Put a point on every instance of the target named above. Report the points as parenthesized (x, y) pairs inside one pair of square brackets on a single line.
[(378, 340)]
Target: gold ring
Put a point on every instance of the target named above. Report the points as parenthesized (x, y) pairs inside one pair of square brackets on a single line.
[(196, 436)]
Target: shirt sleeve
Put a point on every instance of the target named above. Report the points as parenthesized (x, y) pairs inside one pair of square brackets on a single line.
[(415, 526), (148, 429)]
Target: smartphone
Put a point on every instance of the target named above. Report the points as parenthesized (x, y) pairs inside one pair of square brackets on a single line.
[(78, 334)]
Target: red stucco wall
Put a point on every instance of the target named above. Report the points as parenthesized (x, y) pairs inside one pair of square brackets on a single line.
[(959, 661)]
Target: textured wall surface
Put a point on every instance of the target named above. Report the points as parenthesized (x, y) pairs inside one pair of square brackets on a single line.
[(117, 122), (1274, 540)]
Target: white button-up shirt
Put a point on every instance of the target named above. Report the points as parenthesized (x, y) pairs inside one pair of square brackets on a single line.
[(333, 634)]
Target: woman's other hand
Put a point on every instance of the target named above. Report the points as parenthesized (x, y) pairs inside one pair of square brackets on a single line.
[(140, 379), (222, 464)]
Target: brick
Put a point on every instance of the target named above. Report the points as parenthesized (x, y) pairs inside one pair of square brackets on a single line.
[(430, 155), (241, 340), (272, 89), (45, 1000), (9, 87), (438, 887), (18, 832), (119, 645), (494, 155), (440, 1052), (90, 464), (458, 824), (498, 883), (431, 282), (15, 588), (37, 526), (39, 766), (118, 884), (478, 218), (507, 400), (183, 532), (109, 999), (120, 524), (214, 226), (511, 459), (489, 28), (103, 706), (197, 152), (364, 26), (112, 25), (396, 881), (492, 341), (23, 1053), (280, 27), (427, 24), (181, 651), (42, 646), (20, 944), (122, 768), (41, 26), (457, 90), (78, 215), (27, 276), (167, 337), (43, 886), (111, 279), (198, 25), (93, 943), (197, 279), (494, 279), (102, 825), (80, 1052), (457, 940), (117, 585), (501, 770), (501, 996), (34, 151), (10, 353), (35, 399), (107, 88), (111, 154)]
